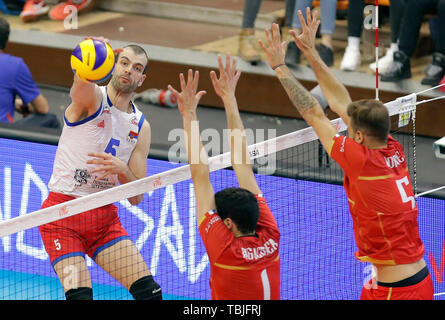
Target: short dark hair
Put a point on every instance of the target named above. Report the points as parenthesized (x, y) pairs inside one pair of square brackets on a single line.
[(240, 205), (139, 51), (371, 117), (4, 33)]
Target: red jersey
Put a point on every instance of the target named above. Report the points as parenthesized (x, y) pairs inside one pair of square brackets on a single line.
[(243, 268), (381, 201)]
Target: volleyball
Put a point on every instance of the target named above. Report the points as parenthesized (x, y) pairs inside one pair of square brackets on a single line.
[(93, 60)]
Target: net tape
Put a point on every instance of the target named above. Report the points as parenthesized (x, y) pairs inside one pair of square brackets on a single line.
[(70, 208)]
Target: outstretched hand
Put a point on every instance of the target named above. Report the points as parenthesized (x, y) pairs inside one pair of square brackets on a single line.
[(276, 49), (306, 39), (225, 85), (188, 98)]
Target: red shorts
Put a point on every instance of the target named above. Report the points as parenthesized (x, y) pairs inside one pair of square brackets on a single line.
[(89, 232), (423, 290)]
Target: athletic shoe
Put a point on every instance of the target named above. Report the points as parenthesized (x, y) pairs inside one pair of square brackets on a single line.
[(351, 59), (384, 63), (33, 9), (435, 71), (246, 48), (400, 68), (60, 11)]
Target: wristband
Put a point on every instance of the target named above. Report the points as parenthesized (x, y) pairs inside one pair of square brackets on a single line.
[(277, 66)]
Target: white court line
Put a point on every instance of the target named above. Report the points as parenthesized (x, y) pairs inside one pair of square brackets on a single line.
[(439, 294)]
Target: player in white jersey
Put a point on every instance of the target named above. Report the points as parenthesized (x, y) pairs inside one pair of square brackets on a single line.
[(105, 141)]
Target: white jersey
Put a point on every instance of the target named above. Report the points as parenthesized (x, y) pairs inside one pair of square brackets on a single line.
[(108, 130)]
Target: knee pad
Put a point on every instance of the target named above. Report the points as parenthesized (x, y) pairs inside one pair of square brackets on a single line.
[(82, 293), (146, 288)]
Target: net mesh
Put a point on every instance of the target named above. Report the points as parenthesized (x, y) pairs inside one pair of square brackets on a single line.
[(304, 192)]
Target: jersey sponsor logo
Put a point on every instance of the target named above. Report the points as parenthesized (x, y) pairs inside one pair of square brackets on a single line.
[(395, 160), (102, 184), (211, 222), (101, 124), (269, 247), (81, 176)]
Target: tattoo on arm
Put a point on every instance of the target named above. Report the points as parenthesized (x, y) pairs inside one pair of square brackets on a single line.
[(302, 99)]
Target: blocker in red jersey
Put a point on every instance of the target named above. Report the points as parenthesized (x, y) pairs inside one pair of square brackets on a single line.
[(236, 225), (376, 177)]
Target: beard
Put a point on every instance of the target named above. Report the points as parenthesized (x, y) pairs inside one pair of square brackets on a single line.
[(124, 87)]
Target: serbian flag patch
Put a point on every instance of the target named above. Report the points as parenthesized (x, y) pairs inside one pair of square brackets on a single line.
[(133, 135)]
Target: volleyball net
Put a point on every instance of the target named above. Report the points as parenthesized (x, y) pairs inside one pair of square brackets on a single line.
[(303, 188)]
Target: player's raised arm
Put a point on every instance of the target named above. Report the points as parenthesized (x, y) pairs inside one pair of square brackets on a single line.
[(334, 91), (85, 96), (188, 100), (225, 86), (303, 100)]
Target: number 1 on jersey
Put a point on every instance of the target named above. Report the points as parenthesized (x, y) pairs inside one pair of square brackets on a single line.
[(266, 284)]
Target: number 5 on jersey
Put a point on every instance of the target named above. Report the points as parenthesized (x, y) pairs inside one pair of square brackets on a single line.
[(57, 244), (111, 146), (405, 198)]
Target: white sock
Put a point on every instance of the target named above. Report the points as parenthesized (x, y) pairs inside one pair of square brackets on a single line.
[(354, 42), (394, 46)]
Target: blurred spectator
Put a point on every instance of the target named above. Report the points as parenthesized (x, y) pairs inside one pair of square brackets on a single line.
[(396, 12), (409, 34), (248, 49), (328, 15), (34, 9), (11, 7), (16, 80), (352, 58)]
